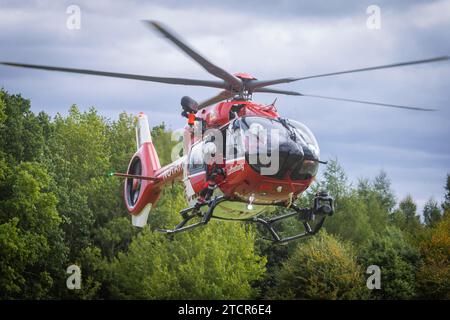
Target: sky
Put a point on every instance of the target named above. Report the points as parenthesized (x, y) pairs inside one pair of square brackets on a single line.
[(268, 39)]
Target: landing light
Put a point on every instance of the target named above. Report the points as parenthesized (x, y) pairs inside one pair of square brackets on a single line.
[(250, 201)]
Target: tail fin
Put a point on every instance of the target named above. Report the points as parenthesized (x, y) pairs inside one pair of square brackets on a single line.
[(141, 195)]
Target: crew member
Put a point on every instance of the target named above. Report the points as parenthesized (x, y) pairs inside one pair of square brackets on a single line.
[(215, 174)]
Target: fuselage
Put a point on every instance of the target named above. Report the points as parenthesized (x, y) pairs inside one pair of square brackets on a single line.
[(268, 160)]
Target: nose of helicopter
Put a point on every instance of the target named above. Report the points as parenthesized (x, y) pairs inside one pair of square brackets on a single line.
[(291, 156), (282, 149), (290, 159)]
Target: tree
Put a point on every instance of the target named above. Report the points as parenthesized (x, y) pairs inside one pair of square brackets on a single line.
[(406, 218), (21, 132), (78, 159), (121, 139), (351, 220), (359, 215), (433, 275), (322, 268), (114, 236), (382, 187), (32, 249), (376, 198), (58, 207), (206, 263), (163, 143), (2, 109), (397, 260), (15, 256), (446, 204), (334, 180), (431, 212)]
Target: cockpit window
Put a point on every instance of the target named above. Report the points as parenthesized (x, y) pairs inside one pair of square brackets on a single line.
[(306, 134), (196, 162), (287, 145), (259, 133), (256, 125), (251, 124), (234, 143)]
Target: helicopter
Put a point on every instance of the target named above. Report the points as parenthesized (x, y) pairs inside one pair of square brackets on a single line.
[(240, 159)]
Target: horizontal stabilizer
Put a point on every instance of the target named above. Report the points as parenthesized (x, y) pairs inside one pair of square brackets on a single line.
[(133, 176)]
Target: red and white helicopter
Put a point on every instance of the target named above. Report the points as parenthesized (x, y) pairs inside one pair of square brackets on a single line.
[(241, 159)]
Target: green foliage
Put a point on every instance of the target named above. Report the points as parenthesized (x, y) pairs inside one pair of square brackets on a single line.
[(350, 221), (322, 268), (406, 219), (2, 109), (165, 143), (58, 207), (31, 241), (433, 276), (362, 212), (397, 259), (431, 213), (21, 132), (446, 204), (203, 264), (381, 185), (15, 257), (121, 141), (335, 180), (93, 268)]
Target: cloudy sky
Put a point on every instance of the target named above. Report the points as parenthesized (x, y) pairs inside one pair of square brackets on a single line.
[(268, 39)]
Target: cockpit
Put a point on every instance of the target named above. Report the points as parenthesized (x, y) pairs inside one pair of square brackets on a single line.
[(277, 148)]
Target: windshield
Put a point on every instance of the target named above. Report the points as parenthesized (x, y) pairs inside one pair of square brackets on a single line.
[(278, 147), (307, 136)]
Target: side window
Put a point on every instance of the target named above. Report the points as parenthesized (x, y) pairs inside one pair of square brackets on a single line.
[(229, 142), (196, 163), (234, 145)]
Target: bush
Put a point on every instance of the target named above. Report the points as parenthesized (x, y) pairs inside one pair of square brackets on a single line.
[(397, 260), (434, 274), (215, 262), (322, 268)]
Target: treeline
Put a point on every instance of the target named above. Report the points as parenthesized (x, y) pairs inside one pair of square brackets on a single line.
[(59, 207)]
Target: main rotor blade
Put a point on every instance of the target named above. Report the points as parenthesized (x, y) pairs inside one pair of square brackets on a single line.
[(293, 93), (269, 90), (179, 81), (235, 83), (263, 83), (223, 95)]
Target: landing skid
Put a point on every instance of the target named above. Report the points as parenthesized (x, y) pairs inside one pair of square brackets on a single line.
[(192, 212), (323, 207), (303, 214)]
